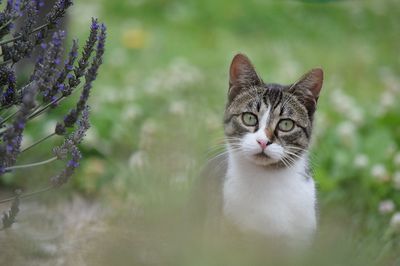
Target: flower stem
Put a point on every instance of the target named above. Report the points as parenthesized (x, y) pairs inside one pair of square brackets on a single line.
[(8, 117), (12, 19), (19, 37), (39, 111), (6, 24), (39, 141), (27, 194), (31, 164)]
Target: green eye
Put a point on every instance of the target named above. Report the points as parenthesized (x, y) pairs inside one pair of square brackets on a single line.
[(286, 125), (249, 119)]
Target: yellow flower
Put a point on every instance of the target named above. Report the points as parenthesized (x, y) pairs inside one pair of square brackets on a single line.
[(134, 38)]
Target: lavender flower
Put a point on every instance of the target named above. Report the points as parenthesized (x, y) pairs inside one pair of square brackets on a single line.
[(52, 78), (83, 126), (38, 3), (12, 137), (47, 72), (6, 19), (70, 147), (91, 73), (65, 89), (55, 15), (7, 78), (23, 43), (61, 152), (67, 172), (87, 51), (58, 11), (9, 218)]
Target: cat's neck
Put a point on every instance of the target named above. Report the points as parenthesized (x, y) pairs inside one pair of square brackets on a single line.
[(242, 168), (272, 202)]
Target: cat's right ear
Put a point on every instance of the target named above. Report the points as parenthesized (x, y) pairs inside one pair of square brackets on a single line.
[(241, 75)]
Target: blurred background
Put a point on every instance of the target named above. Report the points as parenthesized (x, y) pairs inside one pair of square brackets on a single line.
[(156, 117)]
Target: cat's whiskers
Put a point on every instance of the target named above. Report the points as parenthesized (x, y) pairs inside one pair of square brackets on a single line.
[(311, 156), (285, 162), (290, 161), (223, 157), (293, 154), (231, 141)]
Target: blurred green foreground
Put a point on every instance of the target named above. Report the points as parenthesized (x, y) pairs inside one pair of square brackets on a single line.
[(157, 107)]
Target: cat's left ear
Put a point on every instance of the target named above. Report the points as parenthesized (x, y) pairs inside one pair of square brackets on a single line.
[(307, 89), (311, 82)]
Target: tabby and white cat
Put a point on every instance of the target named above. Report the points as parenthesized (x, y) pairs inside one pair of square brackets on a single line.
[(267, 187)]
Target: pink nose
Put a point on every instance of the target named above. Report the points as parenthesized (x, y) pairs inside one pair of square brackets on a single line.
[(263, 143)]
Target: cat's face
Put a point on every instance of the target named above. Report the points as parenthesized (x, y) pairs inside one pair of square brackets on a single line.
[(269, 124)]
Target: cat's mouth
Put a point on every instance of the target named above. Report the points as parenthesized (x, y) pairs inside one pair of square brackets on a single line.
[(262, 155), (263, 159)]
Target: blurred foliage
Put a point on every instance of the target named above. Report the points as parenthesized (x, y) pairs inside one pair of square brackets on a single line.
[(159, 100)]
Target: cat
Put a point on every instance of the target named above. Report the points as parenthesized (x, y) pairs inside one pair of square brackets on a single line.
[(266, 187)]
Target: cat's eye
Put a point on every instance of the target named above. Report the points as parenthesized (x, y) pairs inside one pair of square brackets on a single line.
[(286, 125), (249, 119)]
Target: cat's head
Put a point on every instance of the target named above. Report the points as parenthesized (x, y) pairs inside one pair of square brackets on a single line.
[(269, 124)]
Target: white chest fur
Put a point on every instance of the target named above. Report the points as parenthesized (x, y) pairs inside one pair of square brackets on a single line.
[(275, 203)]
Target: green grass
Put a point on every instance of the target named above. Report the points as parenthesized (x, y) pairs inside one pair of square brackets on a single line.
[(161, 92)]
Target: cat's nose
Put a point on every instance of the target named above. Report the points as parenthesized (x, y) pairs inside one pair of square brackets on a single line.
[(263, 143)]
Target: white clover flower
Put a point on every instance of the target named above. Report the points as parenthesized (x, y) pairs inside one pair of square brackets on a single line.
[(361, 161), (179, 74), (396, 180), (341, 102), (107, 95), (128, 94), (379, 172), (131, 112), (147, 134), (137, 159), (389, 79), (396, 159), (386, 206), (387, 99), (346, 129), (391, 149), (395, 222), (186, 72), (154, 84), (177, 108), (149, 127), (356, 115)]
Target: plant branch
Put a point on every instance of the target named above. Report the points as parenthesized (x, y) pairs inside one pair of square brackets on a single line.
[(38, 142), (20, 36), (27, 194), (52, 159)]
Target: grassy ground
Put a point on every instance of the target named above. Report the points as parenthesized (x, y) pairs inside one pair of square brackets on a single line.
[(158, 102)]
